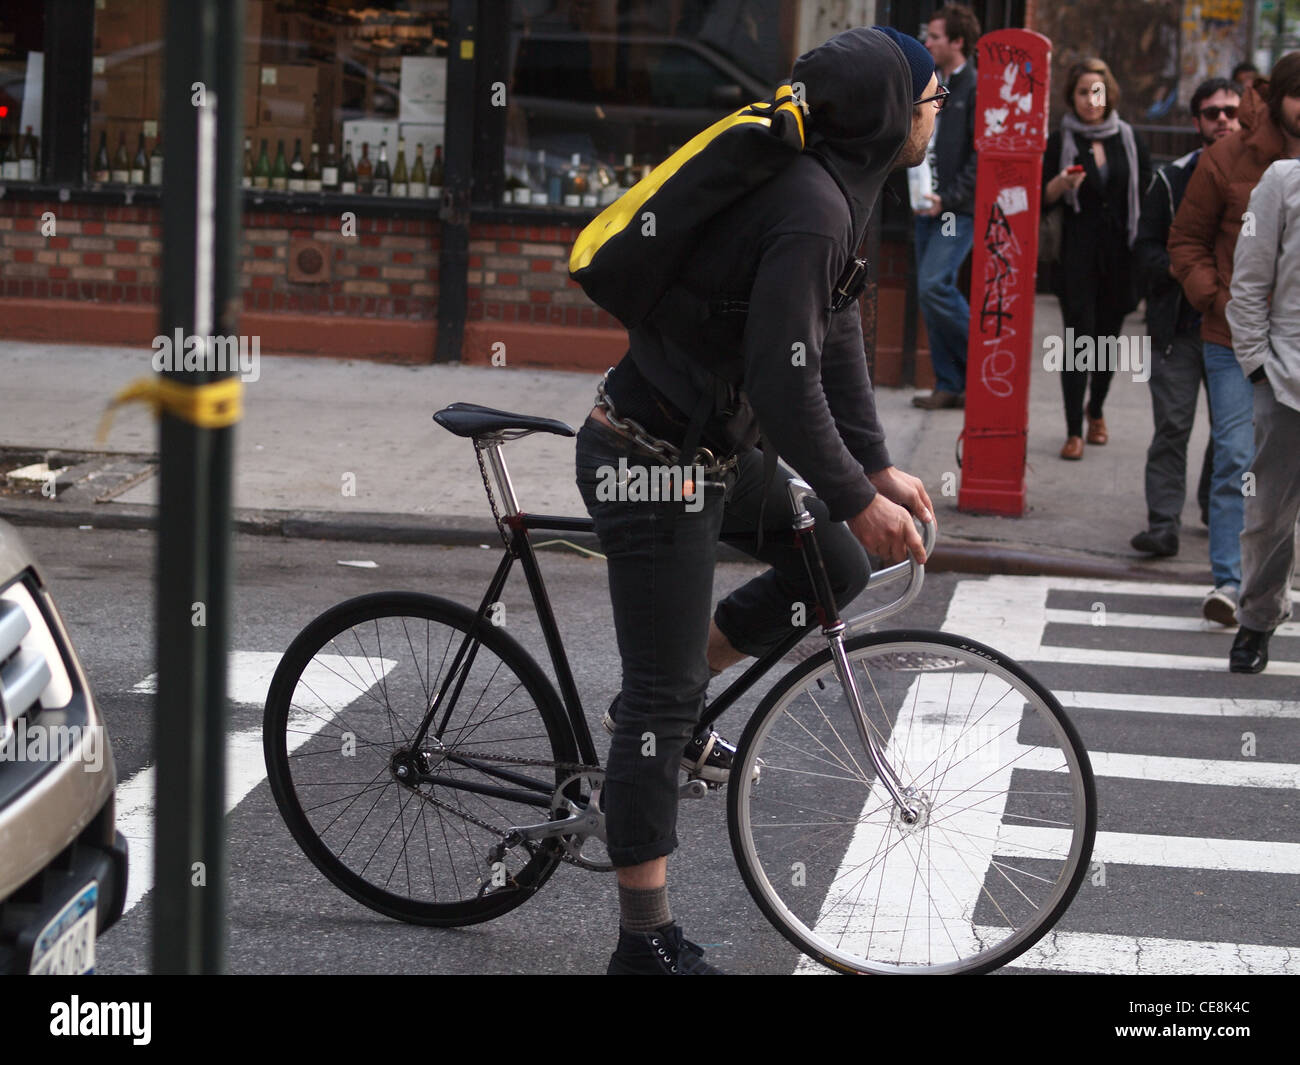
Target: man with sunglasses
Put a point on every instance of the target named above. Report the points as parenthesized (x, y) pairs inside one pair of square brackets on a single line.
[(1178, 369), (945, 228)]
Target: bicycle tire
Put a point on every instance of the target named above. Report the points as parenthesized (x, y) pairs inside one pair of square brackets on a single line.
[(356, 672), (1029, 836)]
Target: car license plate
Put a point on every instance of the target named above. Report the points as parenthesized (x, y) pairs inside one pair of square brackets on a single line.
[(66, 946)]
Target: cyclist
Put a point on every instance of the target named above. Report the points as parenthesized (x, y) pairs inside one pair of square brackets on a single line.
[(796, 373)]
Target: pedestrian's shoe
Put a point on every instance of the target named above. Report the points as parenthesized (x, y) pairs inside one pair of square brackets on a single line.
[(939, 400), (1161, 544), (1073, 448), (663, 952), (707, 756), (1220, 606), (1097, 431), (1249, 651)]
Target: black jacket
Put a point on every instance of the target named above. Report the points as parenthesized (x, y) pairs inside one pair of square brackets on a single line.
[(1168, 312), (954, 144), (782, 247), (1094, 240)]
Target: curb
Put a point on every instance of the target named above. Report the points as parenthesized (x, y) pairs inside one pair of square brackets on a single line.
[(951, 556)]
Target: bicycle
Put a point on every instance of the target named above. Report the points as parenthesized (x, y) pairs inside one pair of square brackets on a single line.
[(901, 801)]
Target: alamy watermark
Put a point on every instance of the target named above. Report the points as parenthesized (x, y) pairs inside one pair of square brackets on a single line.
[(35, 742), (214, 354), (1122, 354), (651, 484)]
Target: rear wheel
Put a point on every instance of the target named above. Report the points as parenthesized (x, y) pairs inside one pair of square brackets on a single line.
[(394, 825), (1002, 783)]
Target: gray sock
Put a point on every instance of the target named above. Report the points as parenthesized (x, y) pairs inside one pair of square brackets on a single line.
[(643, 909)]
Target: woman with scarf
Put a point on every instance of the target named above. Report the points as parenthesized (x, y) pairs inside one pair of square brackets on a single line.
[(1095, 170)]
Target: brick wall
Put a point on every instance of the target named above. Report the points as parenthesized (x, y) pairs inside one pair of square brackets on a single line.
[(521, 274)]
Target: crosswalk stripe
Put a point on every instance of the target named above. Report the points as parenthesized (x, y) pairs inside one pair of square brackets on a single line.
[(1218, 771), (249, 680), (1096, 656), (1193, 706), (1168, 852), (1091, 952), (1114, 619)]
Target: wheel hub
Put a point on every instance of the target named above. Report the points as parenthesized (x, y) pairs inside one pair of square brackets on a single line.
[(923, 805)]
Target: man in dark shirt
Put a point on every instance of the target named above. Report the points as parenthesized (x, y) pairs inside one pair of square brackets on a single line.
[(792, 366), (1178, 369), (945, 227)]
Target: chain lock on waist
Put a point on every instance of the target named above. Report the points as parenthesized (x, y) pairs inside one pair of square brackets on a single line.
[(661, 449)]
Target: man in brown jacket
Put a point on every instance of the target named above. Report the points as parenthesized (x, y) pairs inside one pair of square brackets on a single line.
[(1202, 241)]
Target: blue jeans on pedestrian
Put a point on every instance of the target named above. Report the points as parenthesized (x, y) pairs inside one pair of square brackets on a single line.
[(939, 255), (660, 558), (1232, 401)]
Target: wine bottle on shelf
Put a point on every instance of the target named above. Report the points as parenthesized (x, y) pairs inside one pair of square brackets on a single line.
[(99, 174), (121, 173), (140, 164), (9, 165), (383, 176), (590, 196), (512, 186), (628, 176), (540, 195), (365, 171), (27, 161), (401, 179), (574, 182), (156, 162), (313, 180), (523, 194), (262, 169), (247, 180), (435, 174), (280, 170), (348, 172), (419, 186), (329, 175), (297, 169)]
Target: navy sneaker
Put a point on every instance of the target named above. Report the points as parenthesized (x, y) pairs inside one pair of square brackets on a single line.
[(663, 952)]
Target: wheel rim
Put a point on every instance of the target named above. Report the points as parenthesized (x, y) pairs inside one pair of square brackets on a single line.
[(348, 782), (1004, 799)]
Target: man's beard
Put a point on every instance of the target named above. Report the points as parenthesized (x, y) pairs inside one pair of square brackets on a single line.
[(913, 153), (1291, 128)]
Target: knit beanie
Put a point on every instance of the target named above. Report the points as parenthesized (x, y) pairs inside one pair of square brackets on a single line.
[(918, 58)]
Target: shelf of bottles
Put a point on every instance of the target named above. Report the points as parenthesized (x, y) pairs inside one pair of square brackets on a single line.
[(18, 157), (540, 179), (352, 174), (143, 166)]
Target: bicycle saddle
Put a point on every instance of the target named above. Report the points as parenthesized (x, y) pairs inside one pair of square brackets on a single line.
[(471, 420)]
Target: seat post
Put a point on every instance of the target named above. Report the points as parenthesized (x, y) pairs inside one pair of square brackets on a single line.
[(501, 476)]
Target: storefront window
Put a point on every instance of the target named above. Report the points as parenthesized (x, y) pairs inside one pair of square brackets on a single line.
[(601, 92), (21, 72), (338, 97)]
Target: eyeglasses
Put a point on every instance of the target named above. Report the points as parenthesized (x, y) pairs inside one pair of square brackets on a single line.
[(940, 98), (1212, 113)]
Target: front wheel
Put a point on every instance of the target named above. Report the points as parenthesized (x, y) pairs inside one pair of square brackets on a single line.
[(409, 828), (997, 773)]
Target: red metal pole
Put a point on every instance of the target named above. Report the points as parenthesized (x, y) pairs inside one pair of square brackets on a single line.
[(1011, 105)]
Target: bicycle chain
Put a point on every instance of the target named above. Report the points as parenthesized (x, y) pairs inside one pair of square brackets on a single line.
[(492, 499), (568, 767)]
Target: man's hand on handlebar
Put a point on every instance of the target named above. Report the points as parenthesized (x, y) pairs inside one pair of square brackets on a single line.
[(887, 531), (905, 490)]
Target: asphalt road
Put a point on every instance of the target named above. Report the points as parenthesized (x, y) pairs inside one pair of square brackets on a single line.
[(1198, 853)]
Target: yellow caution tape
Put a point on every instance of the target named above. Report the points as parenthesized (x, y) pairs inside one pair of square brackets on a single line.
[(214, 405)]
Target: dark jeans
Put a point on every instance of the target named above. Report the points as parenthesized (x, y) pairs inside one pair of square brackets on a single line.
[(1176, 379), (1089, 314), (661, 557)]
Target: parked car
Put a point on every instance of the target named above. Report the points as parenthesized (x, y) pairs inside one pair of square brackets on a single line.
[(63, 864)]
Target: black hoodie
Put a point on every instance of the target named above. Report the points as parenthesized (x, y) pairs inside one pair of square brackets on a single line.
[(782, 247)]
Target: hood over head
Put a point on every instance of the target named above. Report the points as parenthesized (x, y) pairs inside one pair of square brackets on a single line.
[(858, 87)]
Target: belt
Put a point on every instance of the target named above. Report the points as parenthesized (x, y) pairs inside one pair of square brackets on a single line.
[(661, 449)]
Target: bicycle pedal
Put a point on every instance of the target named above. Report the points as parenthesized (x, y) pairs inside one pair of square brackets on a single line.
[(693, 789)]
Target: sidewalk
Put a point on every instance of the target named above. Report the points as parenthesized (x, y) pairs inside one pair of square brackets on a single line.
[(340, 449)]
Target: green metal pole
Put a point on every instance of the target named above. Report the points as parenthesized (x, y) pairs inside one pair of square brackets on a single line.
[(200, 217)]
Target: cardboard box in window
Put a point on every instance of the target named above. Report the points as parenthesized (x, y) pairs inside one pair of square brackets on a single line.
[(292, 94), (118, 89), (252, 75), (153, 88), (122, 25)]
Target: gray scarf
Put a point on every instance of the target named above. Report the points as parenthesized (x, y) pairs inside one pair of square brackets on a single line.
[(1113, 124)]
